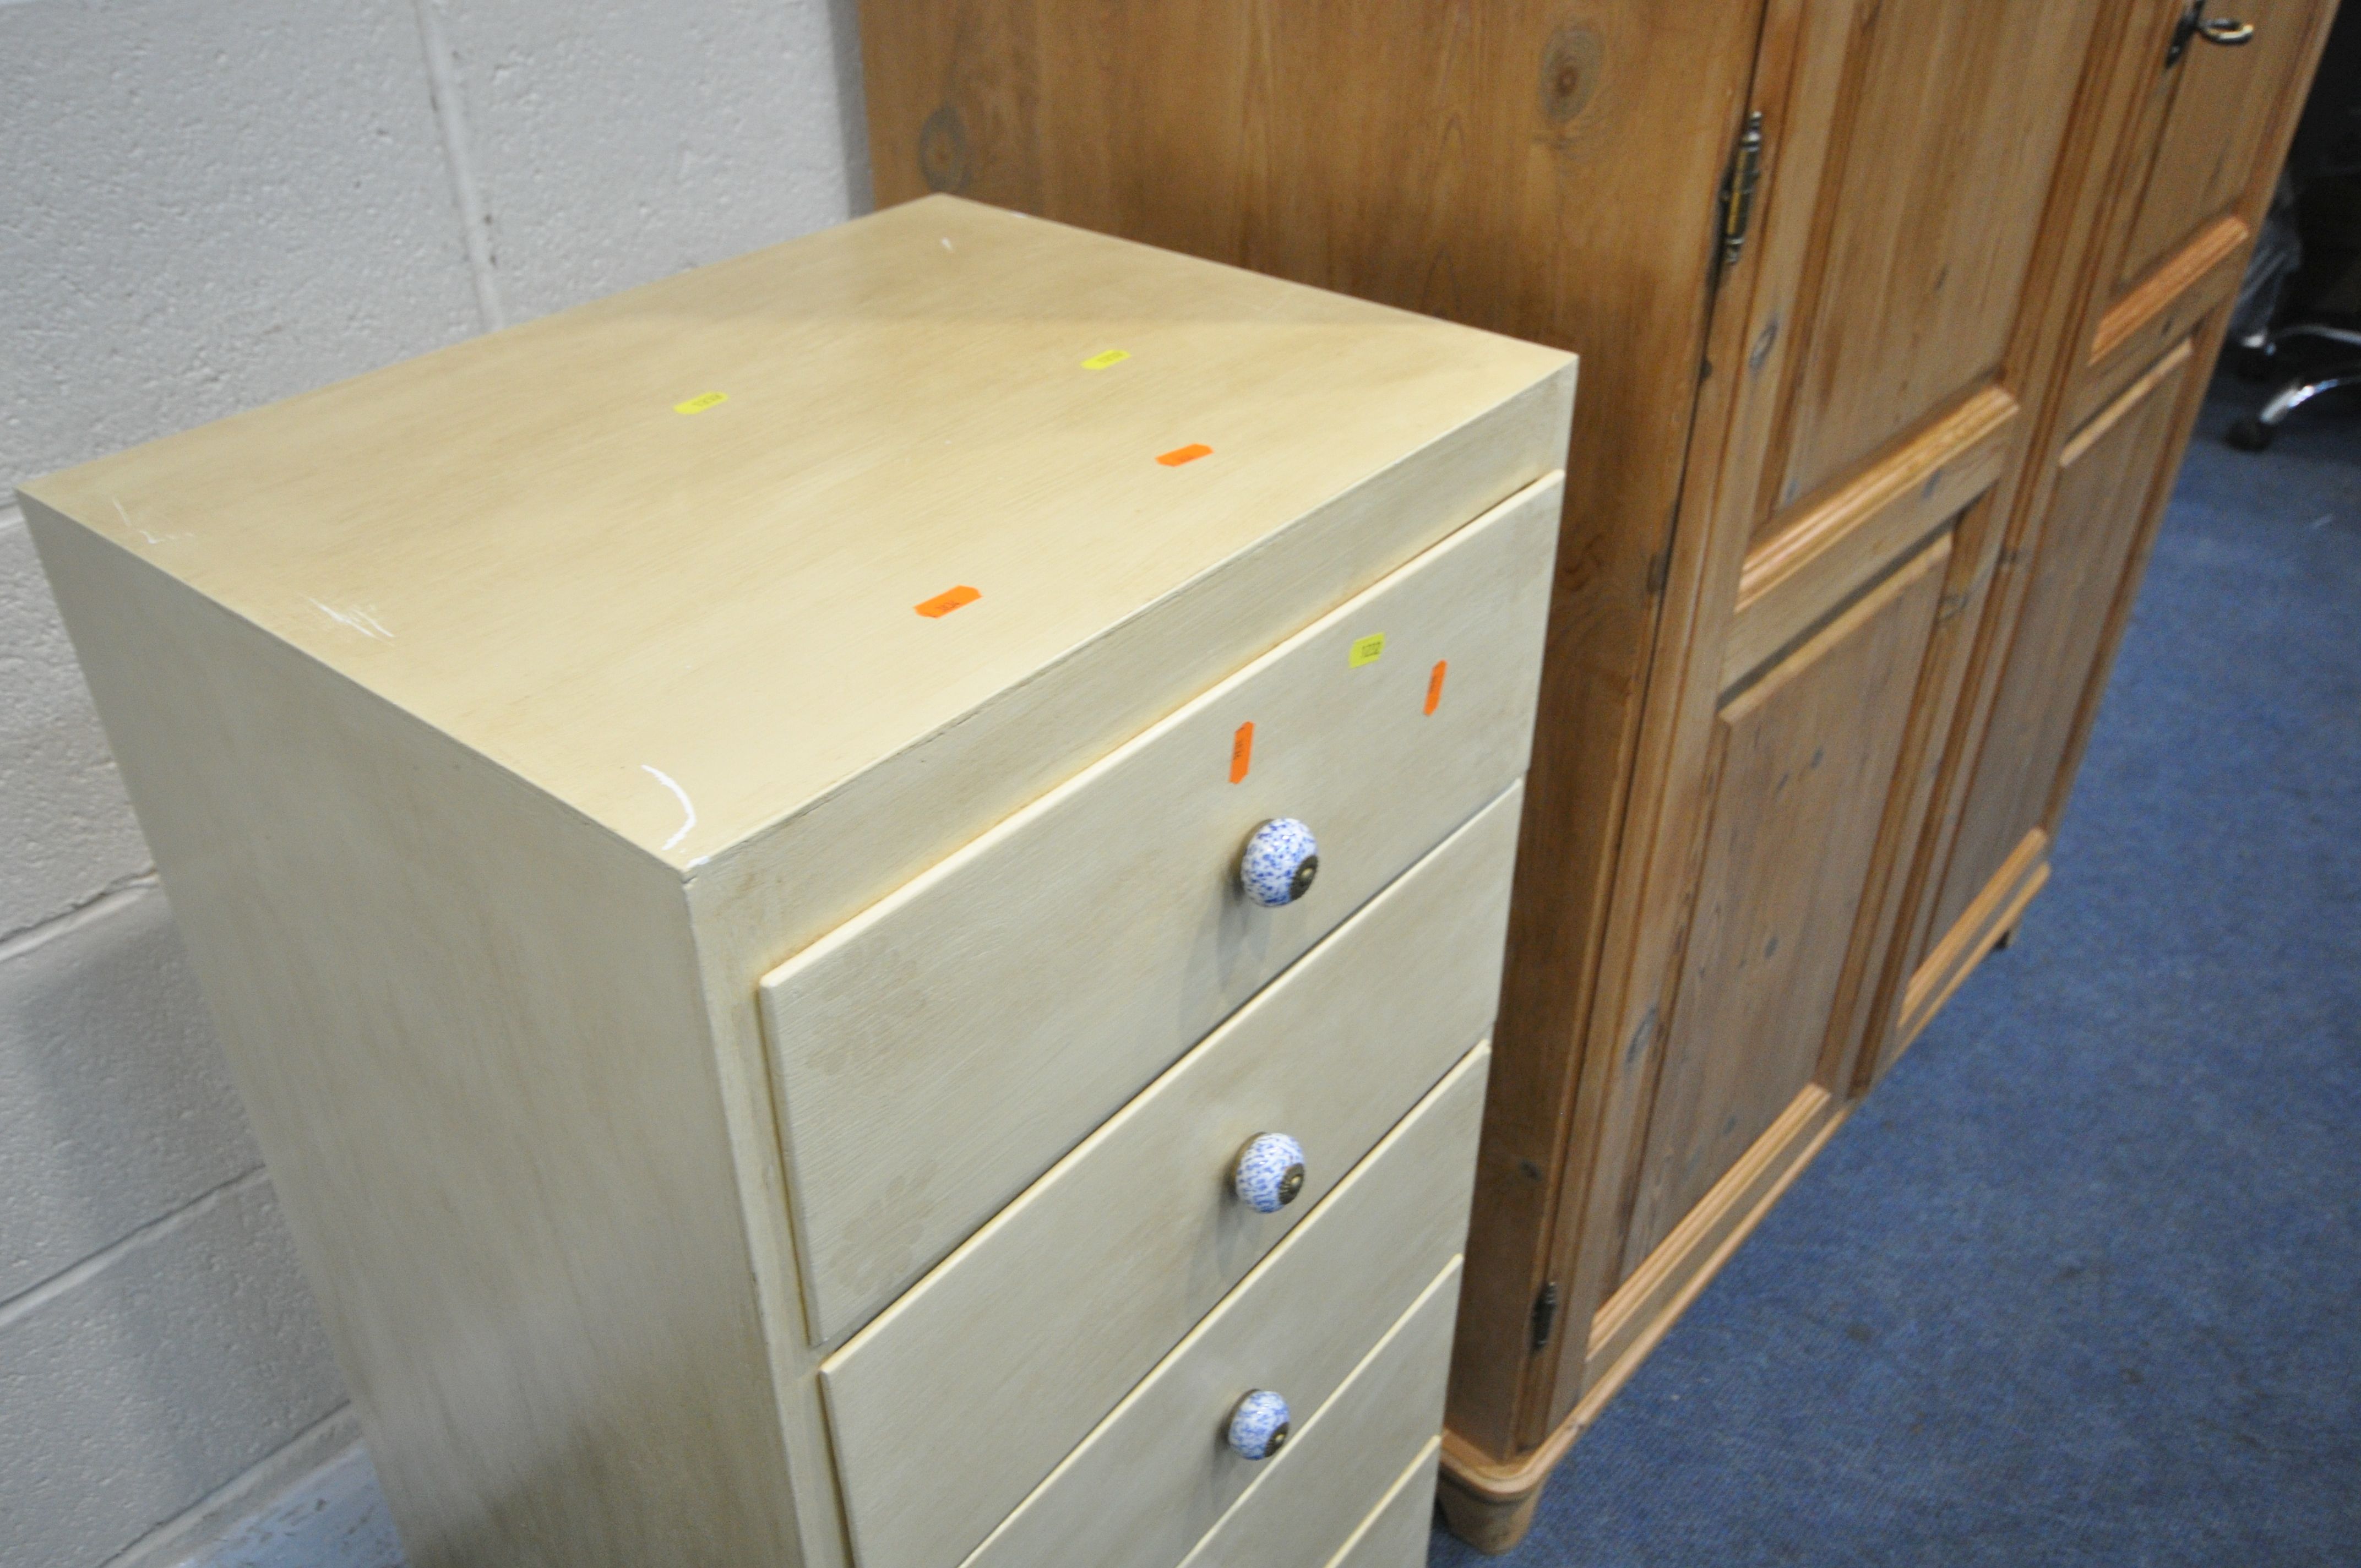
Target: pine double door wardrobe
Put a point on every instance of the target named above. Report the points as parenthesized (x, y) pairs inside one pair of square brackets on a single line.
[(1894, 317)]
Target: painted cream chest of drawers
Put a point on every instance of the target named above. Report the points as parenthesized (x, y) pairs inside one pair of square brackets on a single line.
[(711, 827)]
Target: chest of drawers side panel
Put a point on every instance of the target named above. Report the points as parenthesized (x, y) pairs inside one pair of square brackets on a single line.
[(465, 1024)]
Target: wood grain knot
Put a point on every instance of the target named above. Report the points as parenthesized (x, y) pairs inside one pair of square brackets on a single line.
[(943, 159), (1570, 68)]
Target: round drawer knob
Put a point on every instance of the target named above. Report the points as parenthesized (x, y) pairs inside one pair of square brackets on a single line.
[(1259, 1425), (1269, 1172), (1280, 860)]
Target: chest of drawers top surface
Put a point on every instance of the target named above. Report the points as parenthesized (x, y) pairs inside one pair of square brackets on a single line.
[(670, 556)]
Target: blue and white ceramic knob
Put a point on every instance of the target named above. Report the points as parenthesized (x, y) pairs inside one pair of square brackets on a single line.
[(1280, 860), (1259, 1425), (1269, 1172)]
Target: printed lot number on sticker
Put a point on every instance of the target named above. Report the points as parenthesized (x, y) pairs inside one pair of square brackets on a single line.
[(943, 603)]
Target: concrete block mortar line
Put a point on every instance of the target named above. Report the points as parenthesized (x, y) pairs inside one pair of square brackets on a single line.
[(112, 899), (34, 1297), (73, 831), (188, 1539), (466, 190)]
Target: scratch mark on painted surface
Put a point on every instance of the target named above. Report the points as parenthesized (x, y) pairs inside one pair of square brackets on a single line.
[(150, 538), (359, 619), (678, 794)]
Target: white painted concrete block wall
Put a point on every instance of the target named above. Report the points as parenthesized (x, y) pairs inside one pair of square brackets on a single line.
[(204, 205)]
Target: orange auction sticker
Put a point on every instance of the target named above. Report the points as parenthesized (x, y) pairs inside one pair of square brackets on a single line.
[(943, 603), (1242, 751), (1434, 687), (1189, 454)]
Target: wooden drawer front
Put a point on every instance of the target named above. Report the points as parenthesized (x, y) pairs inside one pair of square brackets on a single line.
[(1311, 1499), (1155, 1476), (971, 1386), (935, 1054), (1395, 1534)]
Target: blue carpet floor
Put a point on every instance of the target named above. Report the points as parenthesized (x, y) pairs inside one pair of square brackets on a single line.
[(2081, 1283)]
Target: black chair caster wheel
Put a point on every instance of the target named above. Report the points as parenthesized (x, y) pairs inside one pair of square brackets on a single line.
[(2249, 435)]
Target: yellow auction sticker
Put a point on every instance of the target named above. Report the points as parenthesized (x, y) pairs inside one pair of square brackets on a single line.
[(699, 403), (1367, 650), (1101, 361)]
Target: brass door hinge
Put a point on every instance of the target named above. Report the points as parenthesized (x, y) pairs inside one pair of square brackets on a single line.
[(1545, 1315), (1739, 188)]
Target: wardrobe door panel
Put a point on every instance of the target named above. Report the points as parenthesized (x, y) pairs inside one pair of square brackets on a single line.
[(2196, 150), (1933, 220), (2214, 111), (1878, 330), (1803, 764), (2111, 479)]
